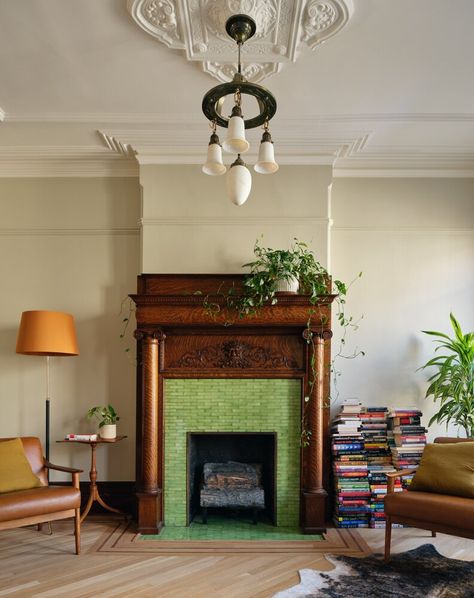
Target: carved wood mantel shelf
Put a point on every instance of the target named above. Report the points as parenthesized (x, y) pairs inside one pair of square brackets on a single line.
[(178, 338)]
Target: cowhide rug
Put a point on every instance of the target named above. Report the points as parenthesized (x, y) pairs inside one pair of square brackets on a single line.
[(418, 573)]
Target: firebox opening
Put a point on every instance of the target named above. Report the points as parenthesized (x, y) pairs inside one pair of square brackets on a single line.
[(243, 447)]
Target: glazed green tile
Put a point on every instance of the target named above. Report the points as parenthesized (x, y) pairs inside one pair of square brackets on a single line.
[(222, 528), (210, 405)]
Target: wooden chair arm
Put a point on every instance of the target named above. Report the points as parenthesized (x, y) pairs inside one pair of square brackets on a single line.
[(391, 477), (61, 468), (401, 472)]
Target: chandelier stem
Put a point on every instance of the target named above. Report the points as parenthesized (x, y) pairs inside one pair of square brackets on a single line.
[(239, 69)]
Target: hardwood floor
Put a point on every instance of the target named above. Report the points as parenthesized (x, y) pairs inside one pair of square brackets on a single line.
[(34, 564)]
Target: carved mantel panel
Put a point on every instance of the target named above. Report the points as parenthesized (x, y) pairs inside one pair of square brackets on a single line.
[(239, 353), (177, 338)]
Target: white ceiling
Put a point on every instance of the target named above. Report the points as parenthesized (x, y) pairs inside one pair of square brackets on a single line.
[(391, 93)]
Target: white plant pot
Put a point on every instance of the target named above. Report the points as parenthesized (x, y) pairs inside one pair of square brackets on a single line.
[(287, 286), (108, 432)]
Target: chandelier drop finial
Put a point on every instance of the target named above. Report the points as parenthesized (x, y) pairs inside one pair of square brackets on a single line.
[(239, 181)]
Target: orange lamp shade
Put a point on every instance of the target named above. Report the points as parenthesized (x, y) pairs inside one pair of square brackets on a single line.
[(47, 333)]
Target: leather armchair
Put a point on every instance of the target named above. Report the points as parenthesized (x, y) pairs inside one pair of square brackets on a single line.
[(443, 513), (43, 504)]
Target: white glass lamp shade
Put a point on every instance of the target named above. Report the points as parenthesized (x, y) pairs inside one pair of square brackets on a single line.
[(235, 142), (239, 182), (266, 159), (266, 156), (214, 165)]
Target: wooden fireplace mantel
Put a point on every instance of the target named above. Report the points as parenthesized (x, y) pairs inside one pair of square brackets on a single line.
[(178, 338)]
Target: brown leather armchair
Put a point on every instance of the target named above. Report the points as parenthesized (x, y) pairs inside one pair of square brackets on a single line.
[(43, 504), (443, 513)]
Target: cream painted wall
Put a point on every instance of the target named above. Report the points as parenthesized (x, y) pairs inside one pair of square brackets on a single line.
[(70, 245), (73, 245), (414, 241), (189, 225)]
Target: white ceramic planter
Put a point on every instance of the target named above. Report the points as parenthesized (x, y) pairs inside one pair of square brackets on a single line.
[(287, 286), (108, 432)]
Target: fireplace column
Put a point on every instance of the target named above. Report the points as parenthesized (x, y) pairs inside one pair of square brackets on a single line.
[(149, 491), (314, 495)]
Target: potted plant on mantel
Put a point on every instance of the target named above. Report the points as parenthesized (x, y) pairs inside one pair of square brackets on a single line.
[(453, 382), (281, 271), (108, 419)]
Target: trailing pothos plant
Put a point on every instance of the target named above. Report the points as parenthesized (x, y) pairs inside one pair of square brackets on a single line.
[(453, 382), (260, 287)]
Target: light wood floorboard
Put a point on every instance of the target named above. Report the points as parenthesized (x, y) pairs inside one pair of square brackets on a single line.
[(34, 564)]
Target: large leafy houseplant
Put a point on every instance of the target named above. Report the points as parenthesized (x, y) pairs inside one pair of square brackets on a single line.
[(270, 266), (453, 382)]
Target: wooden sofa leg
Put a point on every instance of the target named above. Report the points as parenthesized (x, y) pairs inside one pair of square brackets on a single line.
[(433, 534), (388, 538), (77, 530), (39, 527)]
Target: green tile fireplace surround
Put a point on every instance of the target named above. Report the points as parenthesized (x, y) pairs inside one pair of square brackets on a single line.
[(232, 405)]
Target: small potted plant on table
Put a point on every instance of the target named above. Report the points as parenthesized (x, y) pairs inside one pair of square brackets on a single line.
[(108, 419)]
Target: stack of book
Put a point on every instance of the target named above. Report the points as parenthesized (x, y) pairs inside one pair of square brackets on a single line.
[(379, 460), (352, 491), (407, 439)]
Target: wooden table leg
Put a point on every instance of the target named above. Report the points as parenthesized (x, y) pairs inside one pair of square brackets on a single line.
[(94, 490)]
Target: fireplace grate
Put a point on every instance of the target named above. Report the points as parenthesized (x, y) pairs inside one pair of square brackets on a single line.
[(232, 485)]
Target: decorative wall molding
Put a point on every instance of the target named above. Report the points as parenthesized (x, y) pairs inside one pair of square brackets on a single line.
[(409, 230), (236, 221), (69, 232), (283, 28)]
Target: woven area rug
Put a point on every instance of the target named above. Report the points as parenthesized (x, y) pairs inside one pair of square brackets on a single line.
[(123, 537), (418, 573)]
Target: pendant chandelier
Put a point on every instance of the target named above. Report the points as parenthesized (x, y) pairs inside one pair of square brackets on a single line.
[(239, 181)]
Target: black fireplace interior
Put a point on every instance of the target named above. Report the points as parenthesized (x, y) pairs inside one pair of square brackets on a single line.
[(244, 447)]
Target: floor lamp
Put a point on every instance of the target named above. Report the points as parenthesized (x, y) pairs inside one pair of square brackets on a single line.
[(49, 334)]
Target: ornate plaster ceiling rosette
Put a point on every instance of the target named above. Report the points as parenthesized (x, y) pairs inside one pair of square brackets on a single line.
[(283, 28)]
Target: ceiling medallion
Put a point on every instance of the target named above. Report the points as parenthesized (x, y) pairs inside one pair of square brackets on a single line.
[(283, 29)]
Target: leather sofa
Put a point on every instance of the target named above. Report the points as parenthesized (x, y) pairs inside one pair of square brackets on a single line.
[(45, 503), (443, 513)]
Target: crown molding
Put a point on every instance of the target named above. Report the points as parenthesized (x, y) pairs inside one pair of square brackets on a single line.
[(404, 173), (64, 161), (149, 118), (349, 143)]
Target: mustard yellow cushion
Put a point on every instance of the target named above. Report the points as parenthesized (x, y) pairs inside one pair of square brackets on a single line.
[(15, 469), (446, 469)]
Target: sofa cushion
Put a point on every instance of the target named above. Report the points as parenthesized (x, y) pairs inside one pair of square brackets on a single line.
[(446, 469), (15, 469), (453, 511), (38, 501)]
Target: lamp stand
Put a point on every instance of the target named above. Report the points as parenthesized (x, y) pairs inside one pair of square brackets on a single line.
[(47, 419)]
